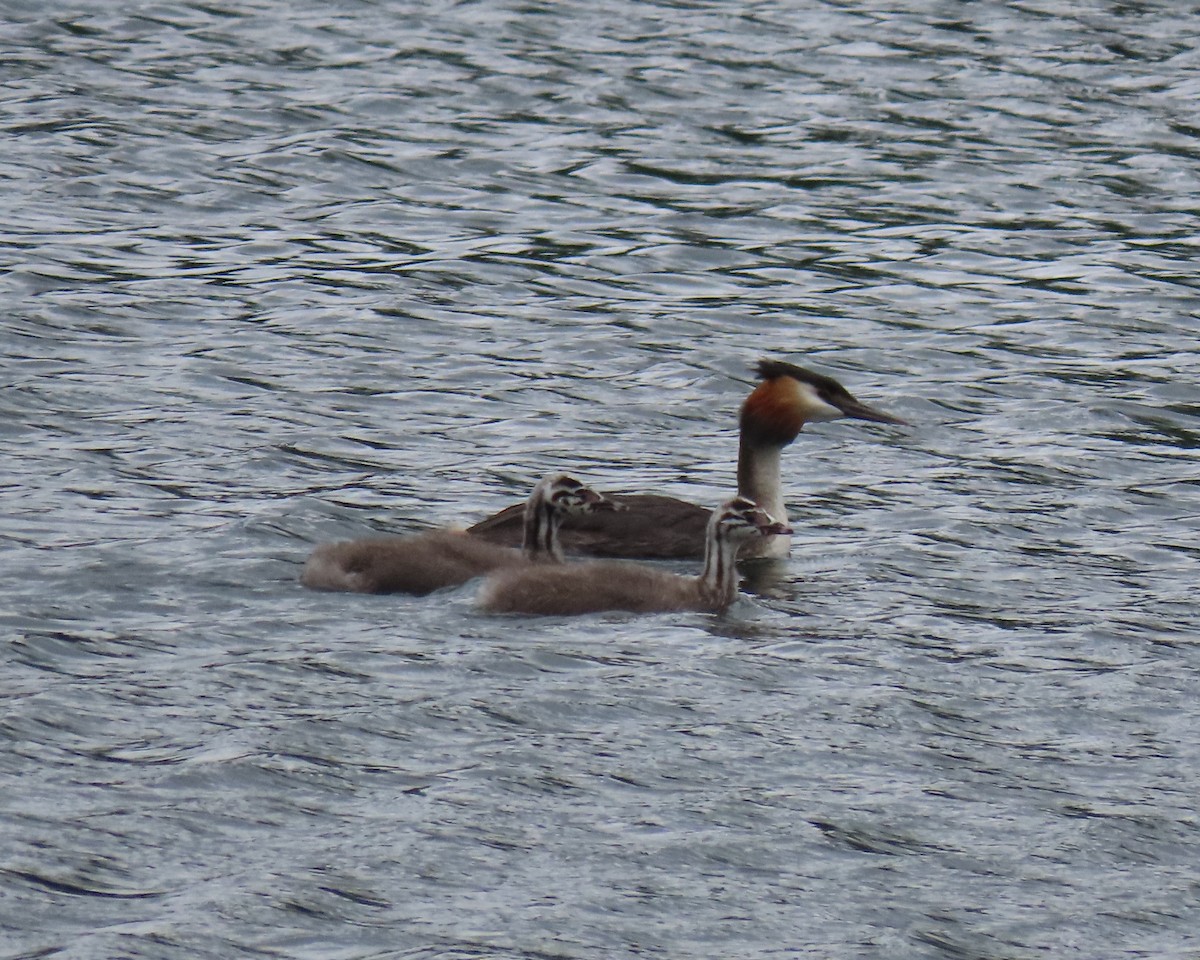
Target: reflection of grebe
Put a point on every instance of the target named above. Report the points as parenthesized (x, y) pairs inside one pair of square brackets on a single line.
[(652, 526), (598, 585), (429, 561)]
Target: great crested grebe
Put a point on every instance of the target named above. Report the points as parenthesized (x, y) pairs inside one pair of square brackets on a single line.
[(424, 562), (597, 585), (657, 527)]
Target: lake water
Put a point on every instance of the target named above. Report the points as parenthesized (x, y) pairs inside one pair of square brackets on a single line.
[(275, 274)]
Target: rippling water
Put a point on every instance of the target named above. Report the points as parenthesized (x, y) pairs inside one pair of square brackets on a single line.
[(283, 273)]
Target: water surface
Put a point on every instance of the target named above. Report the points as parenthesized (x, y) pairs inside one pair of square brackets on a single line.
[(280, 274)]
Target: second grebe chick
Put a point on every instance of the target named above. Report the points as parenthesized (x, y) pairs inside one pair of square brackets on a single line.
[(600, 585), (423, 562), (657, 527)]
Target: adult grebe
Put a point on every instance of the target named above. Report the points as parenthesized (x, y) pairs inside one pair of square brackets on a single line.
[(423, 562), (597, 585), (657, 527)]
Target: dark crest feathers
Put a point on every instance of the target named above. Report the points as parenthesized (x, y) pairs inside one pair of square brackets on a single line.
[(825, 386)]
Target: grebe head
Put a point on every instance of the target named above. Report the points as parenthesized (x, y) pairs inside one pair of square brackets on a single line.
[(555, 497), (791, 396), (741, 519), (568, 497)]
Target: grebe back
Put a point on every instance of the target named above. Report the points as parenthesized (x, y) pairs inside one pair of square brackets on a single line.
[(423, 562), (600, 585)]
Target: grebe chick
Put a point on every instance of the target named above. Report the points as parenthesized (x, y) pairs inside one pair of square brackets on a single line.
[(598, 585), (657, 527), (424, 562)]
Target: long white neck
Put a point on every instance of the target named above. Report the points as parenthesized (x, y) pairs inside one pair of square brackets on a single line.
[(759, 479), (718, 581), (541, 529)]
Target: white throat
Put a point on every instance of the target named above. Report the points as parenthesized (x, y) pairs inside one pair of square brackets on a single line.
[(759, 479), (719, 579), (541, 529)]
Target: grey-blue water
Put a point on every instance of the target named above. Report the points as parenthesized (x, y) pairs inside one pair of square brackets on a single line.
[(279, 273)]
